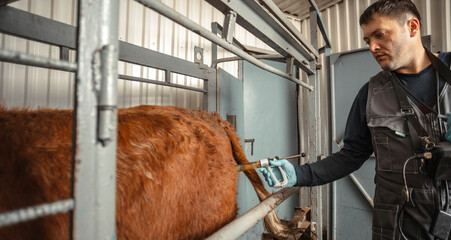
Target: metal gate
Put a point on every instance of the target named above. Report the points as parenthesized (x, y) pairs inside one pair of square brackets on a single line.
[(263, 108)]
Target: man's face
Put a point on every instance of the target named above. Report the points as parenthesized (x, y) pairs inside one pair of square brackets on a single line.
[(388, 42)]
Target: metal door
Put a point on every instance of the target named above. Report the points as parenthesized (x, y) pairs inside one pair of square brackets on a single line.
[(351, 211)]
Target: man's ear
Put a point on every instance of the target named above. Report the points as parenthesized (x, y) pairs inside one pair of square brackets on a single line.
[(414, 26)]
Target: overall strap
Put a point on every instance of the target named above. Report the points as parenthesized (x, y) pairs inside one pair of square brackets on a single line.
[(439, 66), (419, 136)]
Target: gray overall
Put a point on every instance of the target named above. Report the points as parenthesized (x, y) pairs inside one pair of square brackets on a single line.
[(385, 122)]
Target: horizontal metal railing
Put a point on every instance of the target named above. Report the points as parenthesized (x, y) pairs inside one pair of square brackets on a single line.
[(168, 84), (30, 213), (241, 225), (27, 59)]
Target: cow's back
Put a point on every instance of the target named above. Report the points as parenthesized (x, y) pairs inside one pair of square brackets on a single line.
[(175, 172)]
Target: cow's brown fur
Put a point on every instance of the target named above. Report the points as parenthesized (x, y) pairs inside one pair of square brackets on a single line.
[(175, 172)]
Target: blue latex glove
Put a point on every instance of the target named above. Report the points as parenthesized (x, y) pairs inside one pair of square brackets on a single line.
[(286, 166), (448, 126)]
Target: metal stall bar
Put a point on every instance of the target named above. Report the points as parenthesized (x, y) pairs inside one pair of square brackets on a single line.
[(321, 26), (188, 23), (30, 213), (241, 225), (95, 120), (146, 57), (229, 59), (27, 59), (314, 129), (275, 10), (145, 80), (20, 23), (254, 18)]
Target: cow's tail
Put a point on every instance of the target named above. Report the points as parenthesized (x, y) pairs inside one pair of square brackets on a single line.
[(272, 222)]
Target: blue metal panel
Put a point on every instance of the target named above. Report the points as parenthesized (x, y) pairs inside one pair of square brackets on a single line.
[(269, 118), (231, 100), (349, 72)]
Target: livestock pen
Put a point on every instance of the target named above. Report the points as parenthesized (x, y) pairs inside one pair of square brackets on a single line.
[(93, 51)]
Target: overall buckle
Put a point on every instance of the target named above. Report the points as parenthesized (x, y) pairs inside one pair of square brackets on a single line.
[(407, 111)]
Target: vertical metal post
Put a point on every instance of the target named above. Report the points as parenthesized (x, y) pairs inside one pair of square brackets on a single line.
[(95, 120), (316, 214), (331, 187), (212, 97)]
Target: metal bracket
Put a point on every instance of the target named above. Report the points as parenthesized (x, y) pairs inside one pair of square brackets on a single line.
[(229, 26), (252, 144), (290, 62), (167, 76), (198, 55), (64, 53)]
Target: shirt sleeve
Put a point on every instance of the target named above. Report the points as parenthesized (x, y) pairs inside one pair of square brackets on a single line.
[(356, 150)]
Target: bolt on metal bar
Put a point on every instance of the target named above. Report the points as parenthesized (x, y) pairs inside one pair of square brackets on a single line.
[(31, 213), (145, 80), (188, 23), (239, 226), (30, 60)]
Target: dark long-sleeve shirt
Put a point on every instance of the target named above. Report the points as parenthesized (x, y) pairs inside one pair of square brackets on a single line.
[(358, 146)]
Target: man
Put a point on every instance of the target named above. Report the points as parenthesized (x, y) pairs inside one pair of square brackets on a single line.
[(376, 124)]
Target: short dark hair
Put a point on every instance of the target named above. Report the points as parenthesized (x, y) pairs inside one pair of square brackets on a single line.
[(395, 9)]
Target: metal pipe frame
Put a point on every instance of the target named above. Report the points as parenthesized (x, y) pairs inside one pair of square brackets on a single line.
[(321, 26), (30, 26), (188, 23), (37, 28), (241, 225), (30, 213), (145, 80), (254, 18), (289, 26), (30, 60), (314, 129), (214, 63), (95, 121)]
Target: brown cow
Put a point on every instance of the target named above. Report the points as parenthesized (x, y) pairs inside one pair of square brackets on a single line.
[(176, 177)]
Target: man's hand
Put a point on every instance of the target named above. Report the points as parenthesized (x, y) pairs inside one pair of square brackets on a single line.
[(286, 166), (448, 126)]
